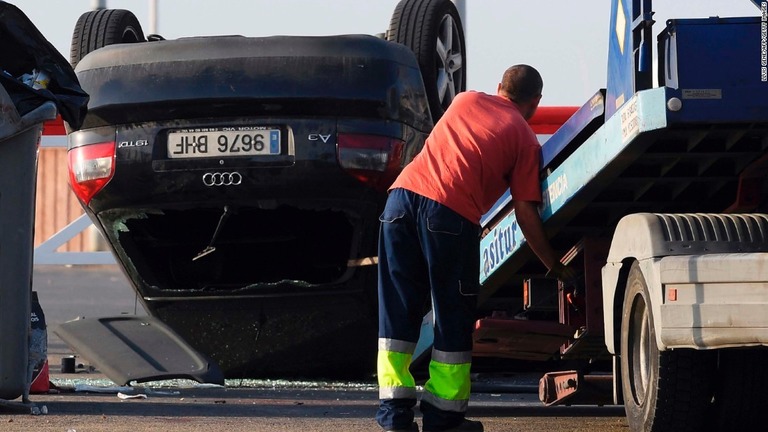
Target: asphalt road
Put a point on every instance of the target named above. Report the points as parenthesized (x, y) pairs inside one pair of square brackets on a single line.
[(67, 293)]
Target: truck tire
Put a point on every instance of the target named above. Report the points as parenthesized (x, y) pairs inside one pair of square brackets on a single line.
[(740, 403), (432, 29), (663, 390), (99, 28)]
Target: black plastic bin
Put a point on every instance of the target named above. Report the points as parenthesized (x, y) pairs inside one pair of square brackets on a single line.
[(19, 142), (24, 106)]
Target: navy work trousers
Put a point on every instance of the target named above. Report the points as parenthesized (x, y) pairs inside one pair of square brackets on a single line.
[(428, 256)]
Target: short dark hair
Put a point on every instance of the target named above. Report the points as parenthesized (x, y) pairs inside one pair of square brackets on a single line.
[(522, 83)]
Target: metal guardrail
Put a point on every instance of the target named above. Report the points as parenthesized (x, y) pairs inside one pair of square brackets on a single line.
[(46, 253)]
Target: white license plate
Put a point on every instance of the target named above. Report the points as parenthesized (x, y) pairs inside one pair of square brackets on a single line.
[(223, 142)]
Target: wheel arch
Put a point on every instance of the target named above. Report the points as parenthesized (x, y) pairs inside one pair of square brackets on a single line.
[(615, 300), (614, 290), (638, 238)]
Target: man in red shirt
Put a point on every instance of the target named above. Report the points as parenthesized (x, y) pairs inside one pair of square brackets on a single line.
[(429, 245)]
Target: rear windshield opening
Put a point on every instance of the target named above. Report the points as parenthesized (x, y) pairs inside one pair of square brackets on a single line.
[(253, 246)]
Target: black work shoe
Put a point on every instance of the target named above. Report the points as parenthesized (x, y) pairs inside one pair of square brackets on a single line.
[(464, 426), (413, 428)]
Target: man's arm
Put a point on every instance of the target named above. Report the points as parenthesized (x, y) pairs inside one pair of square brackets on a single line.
[(527, 215)]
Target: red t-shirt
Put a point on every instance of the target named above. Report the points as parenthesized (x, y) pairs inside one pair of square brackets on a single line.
[(480, 147)]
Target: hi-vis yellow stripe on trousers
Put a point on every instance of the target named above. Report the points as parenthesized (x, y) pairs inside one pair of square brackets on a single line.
[(395, 379), (449, 384)]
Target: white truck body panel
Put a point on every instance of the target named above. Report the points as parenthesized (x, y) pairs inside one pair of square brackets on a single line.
[(714, 301), (706, 291)]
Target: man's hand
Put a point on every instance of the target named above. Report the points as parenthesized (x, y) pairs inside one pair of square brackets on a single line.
[(530, 224), (563, 273)]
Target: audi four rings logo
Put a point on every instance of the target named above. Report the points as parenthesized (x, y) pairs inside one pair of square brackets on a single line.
[(222, 179)]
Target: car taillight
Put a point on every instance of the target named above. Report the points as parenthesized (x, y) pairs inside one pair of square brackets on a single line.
[(90, 168), (374, 160)]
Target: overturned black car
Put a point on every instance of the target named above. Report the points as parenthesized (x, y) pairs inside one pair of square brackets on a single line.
[(238, 180)]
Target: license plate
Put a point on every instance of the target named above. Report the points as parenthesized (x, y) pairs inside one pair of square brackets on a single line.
[(223, 142)]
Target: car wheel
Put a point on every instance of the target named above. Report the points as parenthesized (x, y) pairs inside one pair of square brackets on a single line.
[(99, 28), (663, 390), (432, 29)]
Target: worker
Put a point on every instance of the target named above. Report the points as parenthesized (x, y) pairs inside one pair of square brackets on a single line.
[(429, 245)]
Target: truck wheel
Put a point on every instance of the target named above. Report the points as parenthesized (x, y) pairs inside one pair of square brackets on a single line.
[(432, 30), (740, 403), (99, 28), (663, 390)]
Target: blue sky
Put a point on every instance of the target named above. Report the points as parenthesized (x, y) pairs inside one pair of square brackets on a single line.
[(565, 40)]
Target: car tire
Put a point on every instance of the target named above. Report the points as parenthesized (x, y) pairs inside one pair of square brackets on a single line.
[(663, 390), (432, 29), (99, 28)]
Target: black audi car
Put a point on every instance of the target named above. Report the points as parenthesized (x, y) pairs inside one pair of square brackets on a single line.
[(238, 180)]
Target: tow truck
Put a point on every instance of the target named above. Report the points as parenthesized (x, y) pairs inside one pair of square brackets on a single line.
[(656, 192)]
